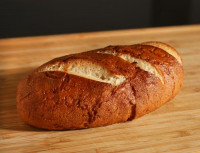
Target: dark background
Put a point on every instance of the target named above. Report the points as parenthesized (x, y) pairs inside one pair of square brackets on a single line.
[(43, 17)]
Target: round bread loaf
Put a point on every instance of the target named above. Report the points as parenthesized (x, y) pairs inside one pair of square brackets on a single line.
[(100, 87)]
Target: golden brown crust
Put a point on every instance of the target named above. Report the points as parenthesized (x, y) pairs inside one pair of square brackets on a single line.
[(57, 100)]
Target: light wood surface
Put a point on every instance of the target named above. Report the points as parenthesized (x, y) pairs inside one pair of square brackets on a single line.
[(175, 127)]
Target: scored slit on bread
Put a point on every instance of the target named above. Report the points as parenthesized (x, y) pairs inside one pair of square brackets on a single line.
[(87, 69), (140, 63)]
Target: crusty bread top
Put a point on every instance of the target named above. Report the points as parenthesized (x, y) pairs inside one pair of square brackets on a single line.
[(166, 48), (152, 57)]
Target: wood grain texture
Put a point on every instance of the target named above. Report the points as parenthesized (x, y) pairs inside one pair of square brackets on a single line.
[(175, 127)]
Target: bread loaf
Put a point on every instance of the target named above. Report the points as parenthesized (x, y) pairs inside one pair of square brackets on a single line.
[(100, 87)]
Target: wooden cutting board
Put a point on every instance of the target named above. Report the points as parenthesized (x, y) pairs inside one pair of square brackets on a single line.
[(175, 127)]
